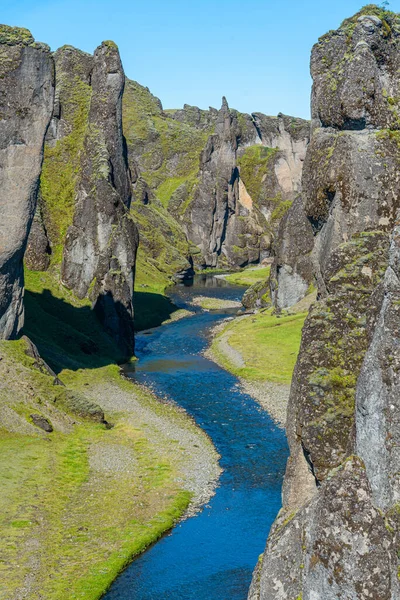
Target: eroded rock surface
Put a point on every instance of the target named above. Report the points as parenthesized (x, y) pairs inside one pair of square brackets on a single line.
[(86, 187), (224, 178), (337, 536), (26, 102)]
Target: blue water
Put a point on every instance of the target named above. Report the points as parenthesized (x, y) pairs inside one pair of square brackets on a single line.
[(210, 556)]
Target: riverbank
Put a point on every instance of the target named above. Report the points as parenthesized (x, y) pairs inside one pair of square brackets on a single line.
[(261, 350), (116, 468), (204, 558)]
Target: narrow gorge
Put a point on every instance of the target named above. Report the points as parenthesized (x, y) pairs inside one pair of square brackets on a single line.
[(182, 291)]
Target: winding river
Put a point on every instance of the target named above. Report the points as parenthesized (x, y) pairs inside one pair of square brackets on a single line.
[(210, 556)]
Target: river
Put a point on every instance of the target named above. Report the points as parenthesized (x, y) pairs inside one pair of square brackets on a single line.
[(210, 556)]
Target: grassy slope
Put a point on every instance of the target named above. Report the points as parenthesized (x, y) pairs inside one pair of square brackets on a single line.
[(249, 277), (268, 345), (71, 524)]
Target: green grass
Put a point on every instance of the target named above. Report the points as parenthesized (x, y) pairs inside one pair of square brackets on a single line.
[(248, 277), (72, 527), (268, 344), (88, 527), (64, 328), (152, 306)]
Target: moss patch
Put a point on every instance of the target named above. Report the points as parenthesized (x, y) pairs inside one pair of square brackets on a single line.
[(15, 36), (254, 165), (61, 166)]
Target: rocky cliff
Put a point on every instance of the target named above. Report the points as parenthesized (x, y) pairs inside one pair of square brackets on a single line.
[(83, 216), (224, 178), (337, 535), (26, 101)]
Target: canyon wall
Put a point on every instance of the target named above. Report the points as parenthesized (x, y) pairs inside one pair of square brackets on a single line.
[(224, 178), (83, 231), (337, 535), (26, 102)]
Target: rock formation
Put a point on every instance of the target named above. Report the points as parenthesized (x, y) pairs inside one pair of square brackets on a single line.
[(337, 535), (224, 177), (26, 102), (86, 188)]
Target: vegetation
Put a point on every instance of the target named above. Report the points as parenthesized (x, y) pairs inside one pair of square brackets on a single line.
[(168, 151), (78, 503), (254, 166), (387, 16), (15, 35), (268, 344), (61, 166), (250, 276), (162, 251)]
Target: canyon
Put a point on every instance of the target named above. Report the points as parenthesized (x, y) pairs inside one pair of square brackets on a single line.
[(106, 199)]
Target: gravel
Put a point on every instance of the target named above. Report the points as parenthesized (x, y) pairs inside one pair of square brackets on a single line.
[(195, 453)]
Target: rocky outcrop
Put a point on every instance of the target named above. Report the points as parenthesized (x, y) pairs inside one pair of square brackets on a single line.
[(225, 178), (38, 250), (86, 187), (337, 536), (292, 269), (26, 101)]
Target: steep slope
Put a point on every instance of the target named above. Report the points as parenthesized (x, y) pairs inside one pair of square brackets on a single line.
[(85, 191), (337, 536), (26, 101), (224, 177)]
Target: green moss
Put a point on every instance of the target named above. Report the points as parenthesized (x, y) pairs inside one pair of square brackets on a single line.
[(61, 166), (166, 189), (371, 9), (15, 36), (280, 210), (254, 165), (110, 44), (335, 342)]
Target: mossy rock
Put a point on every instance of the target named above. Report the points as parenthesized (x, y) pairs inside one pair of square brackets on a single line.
[(15, 36), (73, 402)]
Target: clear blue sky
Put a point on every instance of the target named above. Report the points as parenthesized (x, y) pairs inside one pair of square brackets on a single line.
[(255, 52)]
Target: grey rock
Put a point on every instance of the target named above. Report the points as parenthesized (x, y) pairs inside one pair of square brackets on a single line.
[(42, 423), (292, 270), (337, 536), (355, 74), (336, 547), (26, 101), (99, 248), (38, 250), (378, 392)]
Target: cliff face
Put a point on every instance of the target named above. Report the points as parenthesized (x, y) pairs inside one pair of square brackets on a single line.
[(337, 536), (225, 178), (26, 101), (86, 190)]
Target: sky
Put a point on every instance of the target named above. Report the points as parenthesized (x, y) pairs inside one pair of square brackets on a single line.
[(254, 52)]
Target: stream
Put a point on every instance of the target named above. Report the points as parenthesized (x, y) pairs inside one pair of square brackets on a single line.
[(210, 556)]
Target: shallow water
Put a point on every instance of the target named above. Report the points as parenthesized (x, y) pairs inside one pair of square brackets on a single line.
[(210, 556)]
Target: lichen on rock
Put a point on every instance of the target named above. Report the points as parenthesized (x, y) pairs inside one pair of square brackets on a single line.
[(337, 536), (26, 101), (86, 188)]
